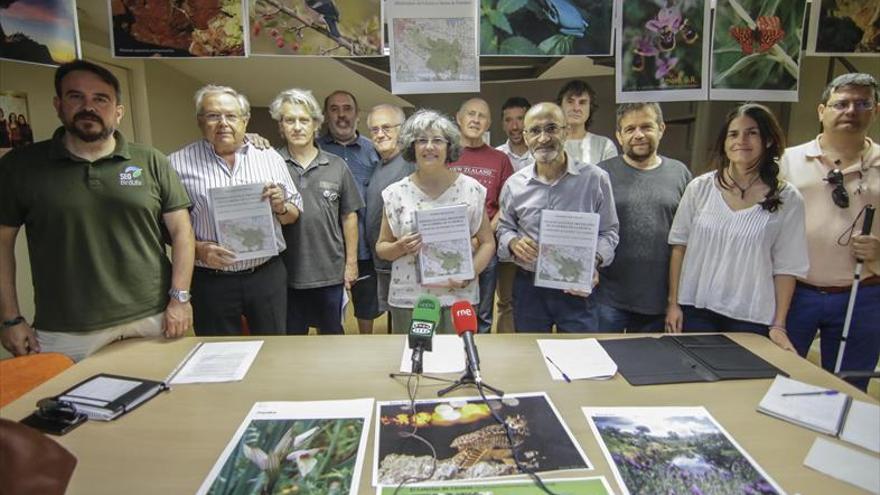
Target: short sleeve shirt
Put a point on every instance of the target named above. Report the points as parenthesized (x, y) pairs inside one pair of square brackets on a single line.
[(385, 174), (402, 200), (490, 167)]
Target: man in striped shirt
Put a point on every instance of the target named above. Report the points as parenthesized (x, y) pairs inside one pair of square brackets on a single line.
[(225, 288)]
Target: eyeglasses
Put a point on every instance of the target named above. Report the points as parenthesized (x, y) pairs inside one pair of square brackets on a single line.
[(838, 194), (384, 129), (551, 129), (214, 118), (859, 105), (436, 142)]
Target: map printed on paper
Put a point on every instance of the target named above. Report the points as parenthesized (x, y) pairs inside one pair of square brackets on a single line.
[(446, 258), (435, 49), (565, 264), (247, 235)]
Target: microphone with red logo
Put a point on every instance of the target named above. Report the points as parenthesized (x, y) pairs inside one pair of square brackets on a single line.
[(464, 319)]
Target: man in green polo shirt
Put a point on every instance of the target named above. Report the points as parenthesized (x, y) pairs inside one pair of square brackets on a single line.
[(94, 207)]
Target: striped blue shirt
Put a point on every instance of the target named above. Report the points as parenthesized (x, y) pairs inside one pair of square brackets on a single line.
[(200, 169)]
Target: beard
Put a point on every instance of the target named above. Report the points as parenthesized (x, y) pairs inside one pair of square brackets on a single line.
[(102, 132), (639, 157), (546, 155)]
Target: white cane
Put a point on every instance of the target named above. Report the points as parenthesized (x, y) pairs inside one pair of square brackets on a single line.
[(866, 230)]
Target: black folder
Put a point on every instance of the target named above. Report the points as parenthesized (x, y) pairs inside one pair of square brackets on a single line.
[(684, 359)]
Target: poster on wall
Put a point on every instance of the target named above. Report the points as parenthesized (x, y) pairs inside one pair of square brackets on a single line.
[(180, 28), (15, 121), (662, 51), (434, 46), (337, 28), (849, 28), (41, 32), (756, 50), (546, 28)]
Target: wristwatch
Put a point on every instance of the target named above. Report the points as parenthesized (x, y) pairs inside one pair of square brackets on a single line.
[(11, 323), (181, 295)]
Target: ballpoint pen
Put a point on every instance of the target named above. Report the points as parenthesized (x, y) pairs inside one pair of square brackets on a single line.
[(564, 376), (818, 392)]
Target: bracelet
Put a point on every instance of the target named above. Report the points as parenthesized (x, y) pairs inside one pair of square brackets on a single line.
[(777, 327), (11, 323)]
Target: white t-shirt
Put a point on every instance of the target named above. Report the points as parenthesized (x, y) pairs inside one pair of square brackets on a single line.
[(592, 149), (732, 256), (402, 199)]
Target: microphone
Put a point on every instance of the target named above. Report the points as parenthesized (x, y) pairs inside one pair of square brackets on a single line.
[(464, 319), (425, 318)]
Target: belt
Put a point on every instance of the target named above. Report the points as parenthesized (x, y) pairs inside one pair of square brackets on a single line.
[(246, 271), (873, 280)]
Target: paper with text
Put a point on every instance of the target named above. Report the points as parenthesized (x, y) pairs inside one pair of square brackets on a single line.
[(218, 362), (244, 221)]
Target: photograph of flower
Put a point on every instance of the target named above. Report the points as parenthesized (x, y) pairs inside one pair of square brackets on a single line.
[(187, 28), (654, 450), (756, 50), (459, 439), (294, 447), (41, 32), (343, 28), (662, 51), (546, 27), (846, 28)]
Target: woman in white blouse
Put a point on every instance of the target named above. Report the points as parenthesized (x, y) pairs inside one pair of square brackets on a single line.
[(431, 140), (738, 236)]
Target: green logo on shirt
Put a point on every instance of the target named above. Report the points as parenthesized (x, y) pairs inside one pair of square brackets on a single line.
[(131, 176)]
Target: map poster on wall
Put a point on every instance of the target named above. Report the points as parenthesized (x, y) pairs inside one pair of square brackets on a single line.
[(323, 28), (546, 28), (434, 46), (756, 50), (662, 51), (844, 28), (41, 32), (179, 28), (15, 122)]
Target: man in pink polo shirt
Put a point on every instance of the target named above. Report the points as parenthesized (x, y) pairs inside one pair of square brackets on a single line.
[(838, 174)]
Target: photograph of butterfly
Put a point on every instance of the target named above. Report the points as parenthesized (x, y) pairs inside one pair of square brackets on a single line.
[(756, 49)]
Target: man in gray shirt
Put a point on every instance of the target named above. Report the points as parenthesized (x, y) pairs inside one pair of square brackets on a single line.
[(384, 123), (647, 188)]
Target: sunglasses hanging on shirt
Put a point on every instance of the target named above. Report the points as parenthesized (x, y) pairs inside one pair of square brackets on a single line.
[(838, 194)]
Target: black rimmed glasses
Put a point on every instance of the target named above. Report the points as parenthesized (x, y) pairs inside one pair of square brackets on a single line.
[(838, 194)]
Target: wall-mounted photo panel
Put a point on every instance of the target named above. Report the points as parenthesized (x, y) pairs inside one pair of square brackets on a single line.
[(43, 32), (546, 28), (662, 51), (323, 28), (434, 46), (15, 121), (756, 50), (180, 29), (846, 28)]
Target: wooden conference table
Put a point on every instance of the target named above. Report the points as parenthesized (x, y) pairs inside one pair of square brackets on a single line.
[(169, 445)]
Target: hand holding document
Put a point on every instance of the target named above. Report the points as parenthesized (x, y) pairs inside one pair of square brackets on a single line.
[(576, 359), (216, 362), (244, 221), (446, 356), (446, 245)]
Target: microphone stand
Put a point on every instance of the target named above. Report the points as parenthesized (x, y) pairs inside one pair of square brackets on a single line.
[(469, 378), (419, 373)]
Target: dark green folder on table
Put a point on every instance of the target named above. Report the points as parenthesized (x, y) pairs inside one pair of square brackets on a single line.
[(685, 359)]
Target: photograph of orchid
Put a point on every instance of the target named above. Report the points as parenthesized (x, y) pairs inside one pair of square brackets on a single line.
[(756, 45), (292, 456), (662, 45)]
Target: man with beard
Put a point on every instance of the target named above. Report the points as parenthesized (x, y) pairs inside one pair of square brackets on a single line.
[(556, 182), (578, 102), (344, 141), (490, 168), (632, 291), (838, 173), (94, 207), (384, 122)]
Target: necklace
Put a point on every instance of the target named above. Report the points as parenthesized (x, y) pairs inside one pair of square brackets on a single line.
[(742, 190)]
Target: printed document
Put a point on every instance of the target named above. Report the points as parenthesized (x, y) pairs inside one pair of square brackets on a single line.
[(244, 221), (567, 250), (217, 362), (578, 359)]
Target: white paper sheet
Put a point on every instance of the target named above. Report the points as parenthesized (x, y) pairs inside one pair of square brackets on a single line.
[(217, 362), (567, 246), (101, 390), (579, 359), (845, 464), (244, 221), (823, 413), (446, 356), (862, 426)]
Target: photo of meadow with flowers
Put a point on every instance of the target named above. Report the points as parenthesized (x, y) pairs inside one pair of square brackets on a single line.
[(662, 45), (659, 450)]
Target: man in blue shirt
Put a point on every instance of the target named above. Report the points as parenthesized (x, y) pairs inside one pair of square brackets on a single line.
[(342, 139)]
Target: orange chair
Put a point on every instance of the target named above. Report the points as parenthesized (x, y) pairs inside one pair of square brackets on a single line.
[(19, 375)]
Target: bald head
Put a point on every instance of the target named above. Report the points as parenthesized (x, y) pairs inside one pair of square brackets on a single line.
[(545, 110), (473, 119)]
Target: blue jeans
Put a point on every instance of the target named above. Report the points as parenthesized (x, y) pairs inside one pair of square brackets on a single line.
[(487, 297), (537, 309), (812, 310), (615, 320), (704, 320)]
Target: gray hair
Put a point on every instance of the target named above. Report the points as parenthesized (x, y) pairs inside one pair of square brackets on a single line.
[(385, 106), (213, 88), (418, 126), (297, 96), (856, 79), (625, 108)]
